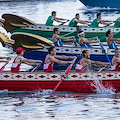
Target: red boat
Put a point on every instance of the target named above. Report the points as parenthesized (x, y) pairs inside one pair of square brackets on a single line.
[(74, 82)]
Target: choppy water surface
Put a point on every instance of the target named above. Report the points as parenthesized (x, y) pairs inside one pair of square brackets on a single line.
[(104, 105), (67, 106)]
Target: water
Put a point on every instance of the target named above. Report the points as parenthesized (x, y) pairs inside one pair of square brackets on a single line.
[(104, 105)]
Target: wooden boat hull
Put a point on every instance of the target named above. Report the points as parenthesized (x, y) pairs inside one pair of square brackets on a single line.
[(15, 23), (99, 3), (97, 54), (47, 31), (74, 82)]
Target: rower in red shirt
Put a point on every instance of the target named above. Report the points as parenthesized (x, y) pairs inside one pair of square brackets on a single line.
[(52, 57), (81, 66), (20, 59), (115, 63)]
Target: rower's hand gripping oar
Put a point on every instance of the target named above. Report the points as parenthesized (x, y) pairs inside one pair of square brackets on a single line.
[(66, 72), (63, 23)]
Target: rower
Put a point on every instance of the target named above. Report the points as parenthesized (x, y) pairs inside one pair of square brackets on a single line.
[(52, 57), (85, 42), (58, 39), (85, 62), (76, 20), (111, 41), (53, 18), (115, 62), (98, 20), (20, 59)]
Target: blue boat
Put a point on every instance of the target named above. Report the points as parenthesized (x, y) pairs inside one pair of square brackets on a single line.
[(96, 54), (102, 3)]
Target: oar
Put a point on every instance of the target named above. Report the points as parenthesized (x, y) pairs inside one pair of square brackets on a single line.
[(2, 68), (63, 23), (68, 33), (105, 52), (66, 72)]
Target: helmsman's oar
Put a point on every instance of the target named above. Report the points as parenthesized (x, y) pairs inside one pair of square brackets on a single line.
[(3, 67), (63, 77)]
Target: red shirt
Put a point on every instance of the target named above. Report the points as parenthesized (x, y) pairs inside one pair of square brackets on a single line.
[(48, 67), (80, 68), (115, 67), (15, 66)]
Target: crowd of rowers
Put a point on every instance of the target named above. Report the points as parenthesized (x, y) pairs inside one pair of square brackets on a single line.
[(51, 58), (83, 42), (83, 64)]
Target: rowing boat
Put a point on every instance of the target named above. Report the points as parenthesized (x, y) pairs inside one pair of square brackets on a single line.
[(14, 23), (74, 82), (102, 3), (37, 48)]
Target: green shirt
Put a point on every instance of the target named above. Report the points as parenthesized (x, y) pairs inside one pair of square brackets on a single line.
[(94, 23), (72, 24), (117, 24), (49, 21)]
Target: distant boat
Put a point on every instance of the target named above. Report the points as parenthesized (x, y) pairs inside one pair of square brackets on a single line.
[(102, 3)]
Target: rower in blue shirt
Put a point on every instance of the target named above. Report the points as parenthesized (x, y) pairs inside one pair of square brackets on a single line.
[(111, 41), (58, 39), (85, 42)]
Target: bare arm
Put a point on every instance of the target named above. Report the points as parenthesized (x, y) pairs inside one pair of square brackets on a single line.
[(52, 59), (72, 38), (115, 39), (84, 40), (92, 38), (81, 21), (59, 19), (98, 63), (65, 57)]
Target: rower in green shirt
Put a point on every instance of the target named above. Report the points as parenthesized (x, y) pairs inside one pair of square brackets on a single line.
[(98, 20), (117, 23), (76, 20), (53, 17)]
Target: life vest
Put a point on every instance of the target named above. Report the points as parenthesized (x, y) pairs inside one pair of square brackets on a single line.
[(115, 67), (80, 68), (48, 67), (15, 66)]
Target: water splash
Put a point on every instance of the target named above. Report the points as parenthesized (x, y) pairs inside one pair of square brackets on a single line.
[(100, 88), (41, 93)]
